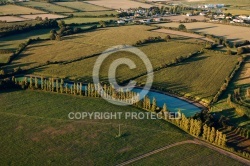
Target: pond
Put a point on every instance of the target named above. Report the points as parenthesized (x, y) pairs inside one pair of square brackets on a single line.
[(173, 103)]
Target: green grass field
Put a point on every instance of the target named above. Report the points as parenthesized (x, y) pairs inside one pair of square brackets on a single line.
[(86, 44), (81, 6), (87, 20), (166, 53), (12, 42), (13, 9), (36, 129), (241, 80), (184, 155), (200, 77), (96, 13), (47, 6), (79, 45)]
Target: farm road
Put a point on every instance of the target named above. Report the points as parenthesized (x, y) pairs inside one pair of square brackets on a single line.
[(195, 141)]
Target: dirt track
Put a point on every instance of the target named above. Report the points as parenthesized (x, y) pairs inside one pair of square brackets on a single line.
[(195, 141)]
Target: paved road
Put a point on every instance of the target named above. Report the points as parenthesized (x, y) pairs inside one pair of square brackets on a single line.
[(195, 141)]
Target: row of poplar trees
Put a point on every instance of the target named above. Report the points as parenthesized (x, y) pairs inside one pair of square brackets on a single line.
[(193, 126), (90, 90)]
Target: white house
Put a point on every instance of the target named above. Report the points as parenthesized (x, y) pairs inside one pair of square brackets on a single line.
[(238, 21), (145, 21), (121, 22)]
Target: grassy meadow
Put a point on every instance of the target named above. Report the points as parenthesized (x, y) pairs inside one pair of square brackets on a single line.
[(78, 45), (36, 129), (124, 4), (96, 13), (81, 6), (200, 77), (13, 9), (86, 44), (12, 42), (241, 80), (169, 51), (184, 155), (47, 6)]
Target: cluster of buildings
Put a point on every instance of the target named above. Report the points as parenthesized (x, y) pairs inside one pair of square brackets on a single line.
[(137, 20), (210, 6)]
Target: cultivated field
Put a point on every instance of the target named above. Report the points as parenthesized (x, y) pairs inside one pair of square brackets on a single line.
[(86, 44), (200, 77), (166, 52), (87, 20), (11, 19), (124, 4), (47, 6), (13, 9), (186, 155), (36, 129), (233, 33), (173, 32), (238, 11), (49, 16), (81, 6), (97, 13)]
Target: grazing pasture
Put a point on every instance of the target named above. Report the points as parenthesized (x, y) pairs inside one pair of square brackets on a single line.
[(13, 9), (186, 155), (47, 6), (96, 13), (12, 19), (166, 52), (38, 126), (49, 16), (124, 4), (200, 77), (83, 45), (233, 33), (81, 6)]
